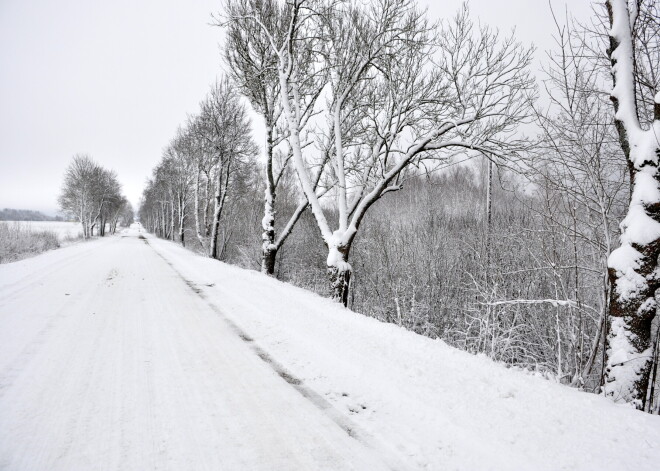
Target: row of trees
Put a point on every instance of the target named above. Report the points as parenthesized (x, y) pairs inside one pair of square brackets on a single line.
[(393, 90), (358, 99), (9, 214), (209, 158), (92, 195)]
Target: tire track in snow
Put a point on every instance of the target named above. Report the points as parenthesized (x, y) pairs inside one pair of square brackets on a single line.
[(350, 428), (136, 374)]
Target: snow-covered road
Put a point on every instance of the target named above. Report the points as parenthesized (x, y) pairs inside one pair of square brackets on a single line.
[(109, 361), (132, 353)]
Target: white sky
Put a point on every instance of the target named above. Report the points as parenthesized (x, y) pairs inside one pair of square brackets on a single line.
[(115, 78)]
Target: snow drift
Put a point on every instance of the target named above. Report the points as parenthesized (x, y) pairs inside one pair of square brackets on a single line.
[(431, 405)]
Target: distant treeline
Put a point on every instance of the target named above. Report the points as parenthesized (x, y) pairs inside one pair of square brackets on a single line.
[(8, 214)]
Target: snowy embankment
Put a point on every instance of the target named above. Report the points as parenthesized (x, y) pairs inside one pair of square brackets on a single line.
[(420, 402)]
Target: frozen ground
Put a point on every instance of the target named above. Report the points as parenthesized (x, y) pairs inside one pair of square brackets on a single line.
[(131, 354), (64, 230)]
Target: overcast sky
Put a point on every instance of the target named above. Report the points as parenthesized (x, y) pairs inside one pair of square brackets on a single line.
[(114, 79)]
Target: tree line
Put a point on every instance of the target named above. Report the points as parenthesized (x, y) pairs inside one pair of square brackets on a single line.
[(92, 195), (9, 214), (394, 166)]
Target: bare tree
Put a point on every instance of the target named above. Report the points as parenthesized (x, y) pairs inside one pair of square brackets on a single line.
[(90, 193), (205, 160), (222, 131), (178, 167), (395, 95), (76, 195), (577, 166), (253, 62)]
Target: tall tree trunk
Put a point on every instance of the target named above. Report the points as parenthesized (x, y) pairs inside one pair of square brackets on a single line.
[(654, 370), (268, 247), (632, 266), (220, 197), (198, 230), (163, 221), (172, 220), (489, 220), (83, 221), (215, 225), (182, 219), (207, 204)]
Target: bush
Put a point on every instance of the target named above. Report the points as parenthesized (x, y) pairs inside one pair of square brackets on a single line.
[(18, 241)]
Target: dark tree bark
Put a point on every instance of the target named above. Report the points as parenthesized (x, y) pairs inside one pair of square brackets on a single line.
[(633, 266)]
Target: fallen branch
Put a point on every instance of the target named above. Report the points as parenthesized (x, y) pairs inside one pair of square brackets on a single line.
[(554, 302)]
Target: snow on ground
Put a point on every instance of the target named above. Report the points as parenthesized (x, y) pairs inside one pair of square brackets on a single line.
[(435, 406), (130, 353), (64, 230), (108, 361)]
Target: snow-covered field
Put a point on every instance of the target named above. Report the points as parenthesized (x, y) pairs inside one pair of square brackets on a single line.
[(131, 353), (64, 230)]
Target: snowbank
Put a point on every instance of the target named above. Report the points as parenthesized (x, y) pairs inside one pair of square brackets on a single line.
[(432, 406)]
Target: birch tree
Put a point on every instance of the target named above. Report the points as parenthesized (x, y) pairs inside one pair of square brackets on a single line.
[(76, 195), (222, 133), (202, 164), (90, 193), (177, 166), (203, 170), (634, 54)]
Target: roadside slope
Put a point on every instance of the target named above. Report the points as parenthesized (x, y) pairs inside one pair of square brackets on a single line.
[(433, 406)]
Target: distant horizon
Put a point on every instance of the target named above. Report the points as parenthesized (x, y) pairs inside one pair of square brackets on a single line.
[(45, 212), (121, 94)]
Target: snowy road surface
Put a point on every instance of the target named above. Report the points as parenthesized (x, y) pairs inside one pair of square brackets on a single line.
[(108, 360), (134, 354)]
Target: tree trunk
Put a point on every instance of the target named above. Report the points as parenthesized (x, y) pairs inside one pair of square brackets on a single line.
[(207, 227), (268, 248), (339, 273), (198, 230), (654, 369), (172, 220), (215, 227), (220, 196), (489, 220), (631, 316), (182, 220), (163, 221), (83, 222), (633, 266), (268, 257)]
